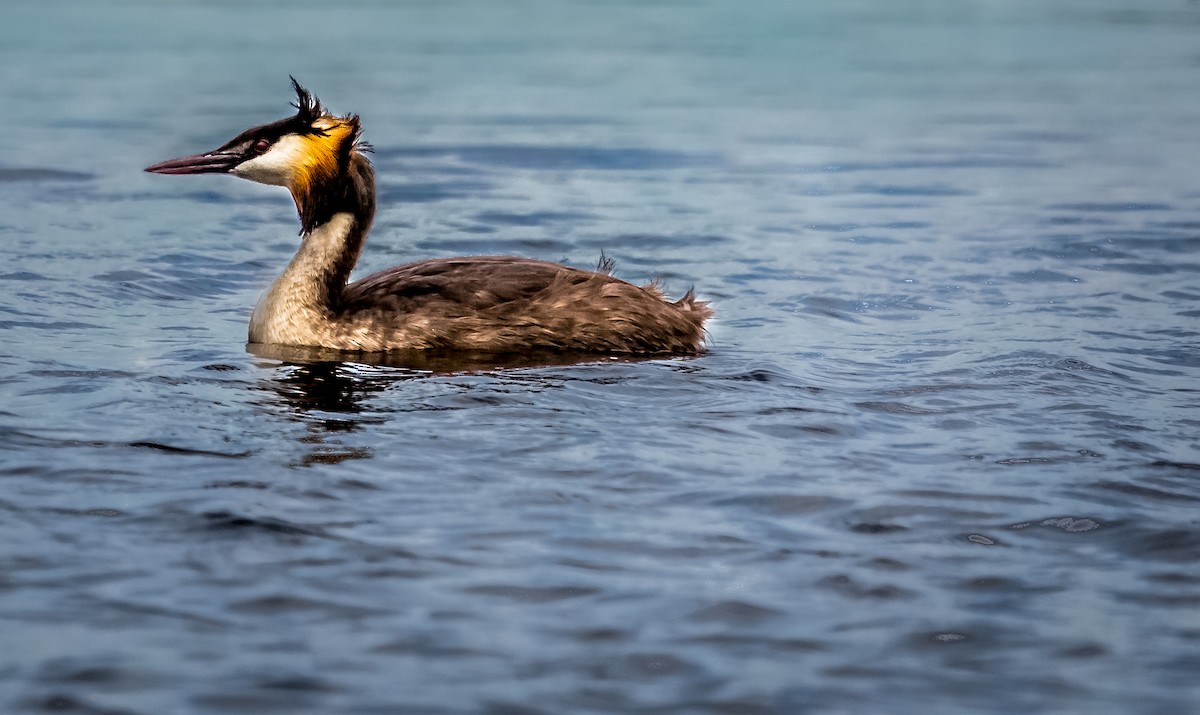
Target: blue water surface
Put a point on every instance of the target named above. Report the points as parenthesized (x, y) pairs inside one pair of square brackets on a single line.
[(941, 457)]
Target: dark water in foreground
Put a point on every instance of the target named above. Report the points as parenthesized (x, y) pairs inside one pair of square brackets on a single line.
[(942, 457)]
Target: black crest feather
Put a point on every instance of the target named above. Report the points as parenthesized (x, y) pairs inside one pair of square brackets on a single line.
[(309, 108)]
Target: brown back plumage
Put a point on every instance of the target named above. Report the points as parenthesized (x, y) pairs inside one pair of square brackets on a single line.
[(507, 304)]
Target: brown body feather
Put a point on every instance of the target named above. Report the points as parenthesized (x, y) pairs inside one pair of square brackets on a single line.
[(506, 304), (480, 303)]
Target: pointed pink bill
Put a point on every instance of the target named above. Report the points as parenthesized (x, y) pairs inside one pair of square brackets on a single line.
[(213, 162)]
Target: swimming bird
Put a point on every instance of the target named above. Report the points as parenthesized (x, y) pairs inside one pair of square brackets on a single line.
[(479, 303)]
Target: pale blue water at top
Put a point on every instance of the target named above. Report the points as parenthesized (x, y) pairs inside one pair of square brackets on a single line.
[(942, 456)]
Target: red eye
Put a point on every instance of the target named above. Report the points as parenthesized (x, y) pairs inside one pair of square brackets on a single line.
[(262, 145)]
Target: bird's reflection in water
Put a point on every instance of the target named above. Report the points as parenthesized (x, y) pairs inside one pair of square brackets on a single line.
[(329, 390)]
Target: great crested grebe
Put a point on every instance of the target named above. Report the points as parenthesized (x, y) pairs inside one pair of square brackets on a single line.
[(478, 303)]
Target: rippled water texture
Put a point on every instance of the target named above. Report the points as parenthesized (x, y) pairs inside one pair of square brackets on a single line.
[(941, 458)]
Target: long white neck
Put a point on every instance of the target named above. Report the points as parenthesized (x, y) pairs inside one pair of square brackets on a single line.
[(300, 305), (336, 210)]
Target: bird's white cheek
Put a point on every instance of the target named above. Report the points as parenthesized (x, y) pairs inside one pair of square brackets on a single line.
[(275, 167)]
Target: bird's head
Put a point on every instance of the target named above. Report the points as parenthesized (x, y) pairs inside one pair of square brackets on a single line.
[(300, 152)]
